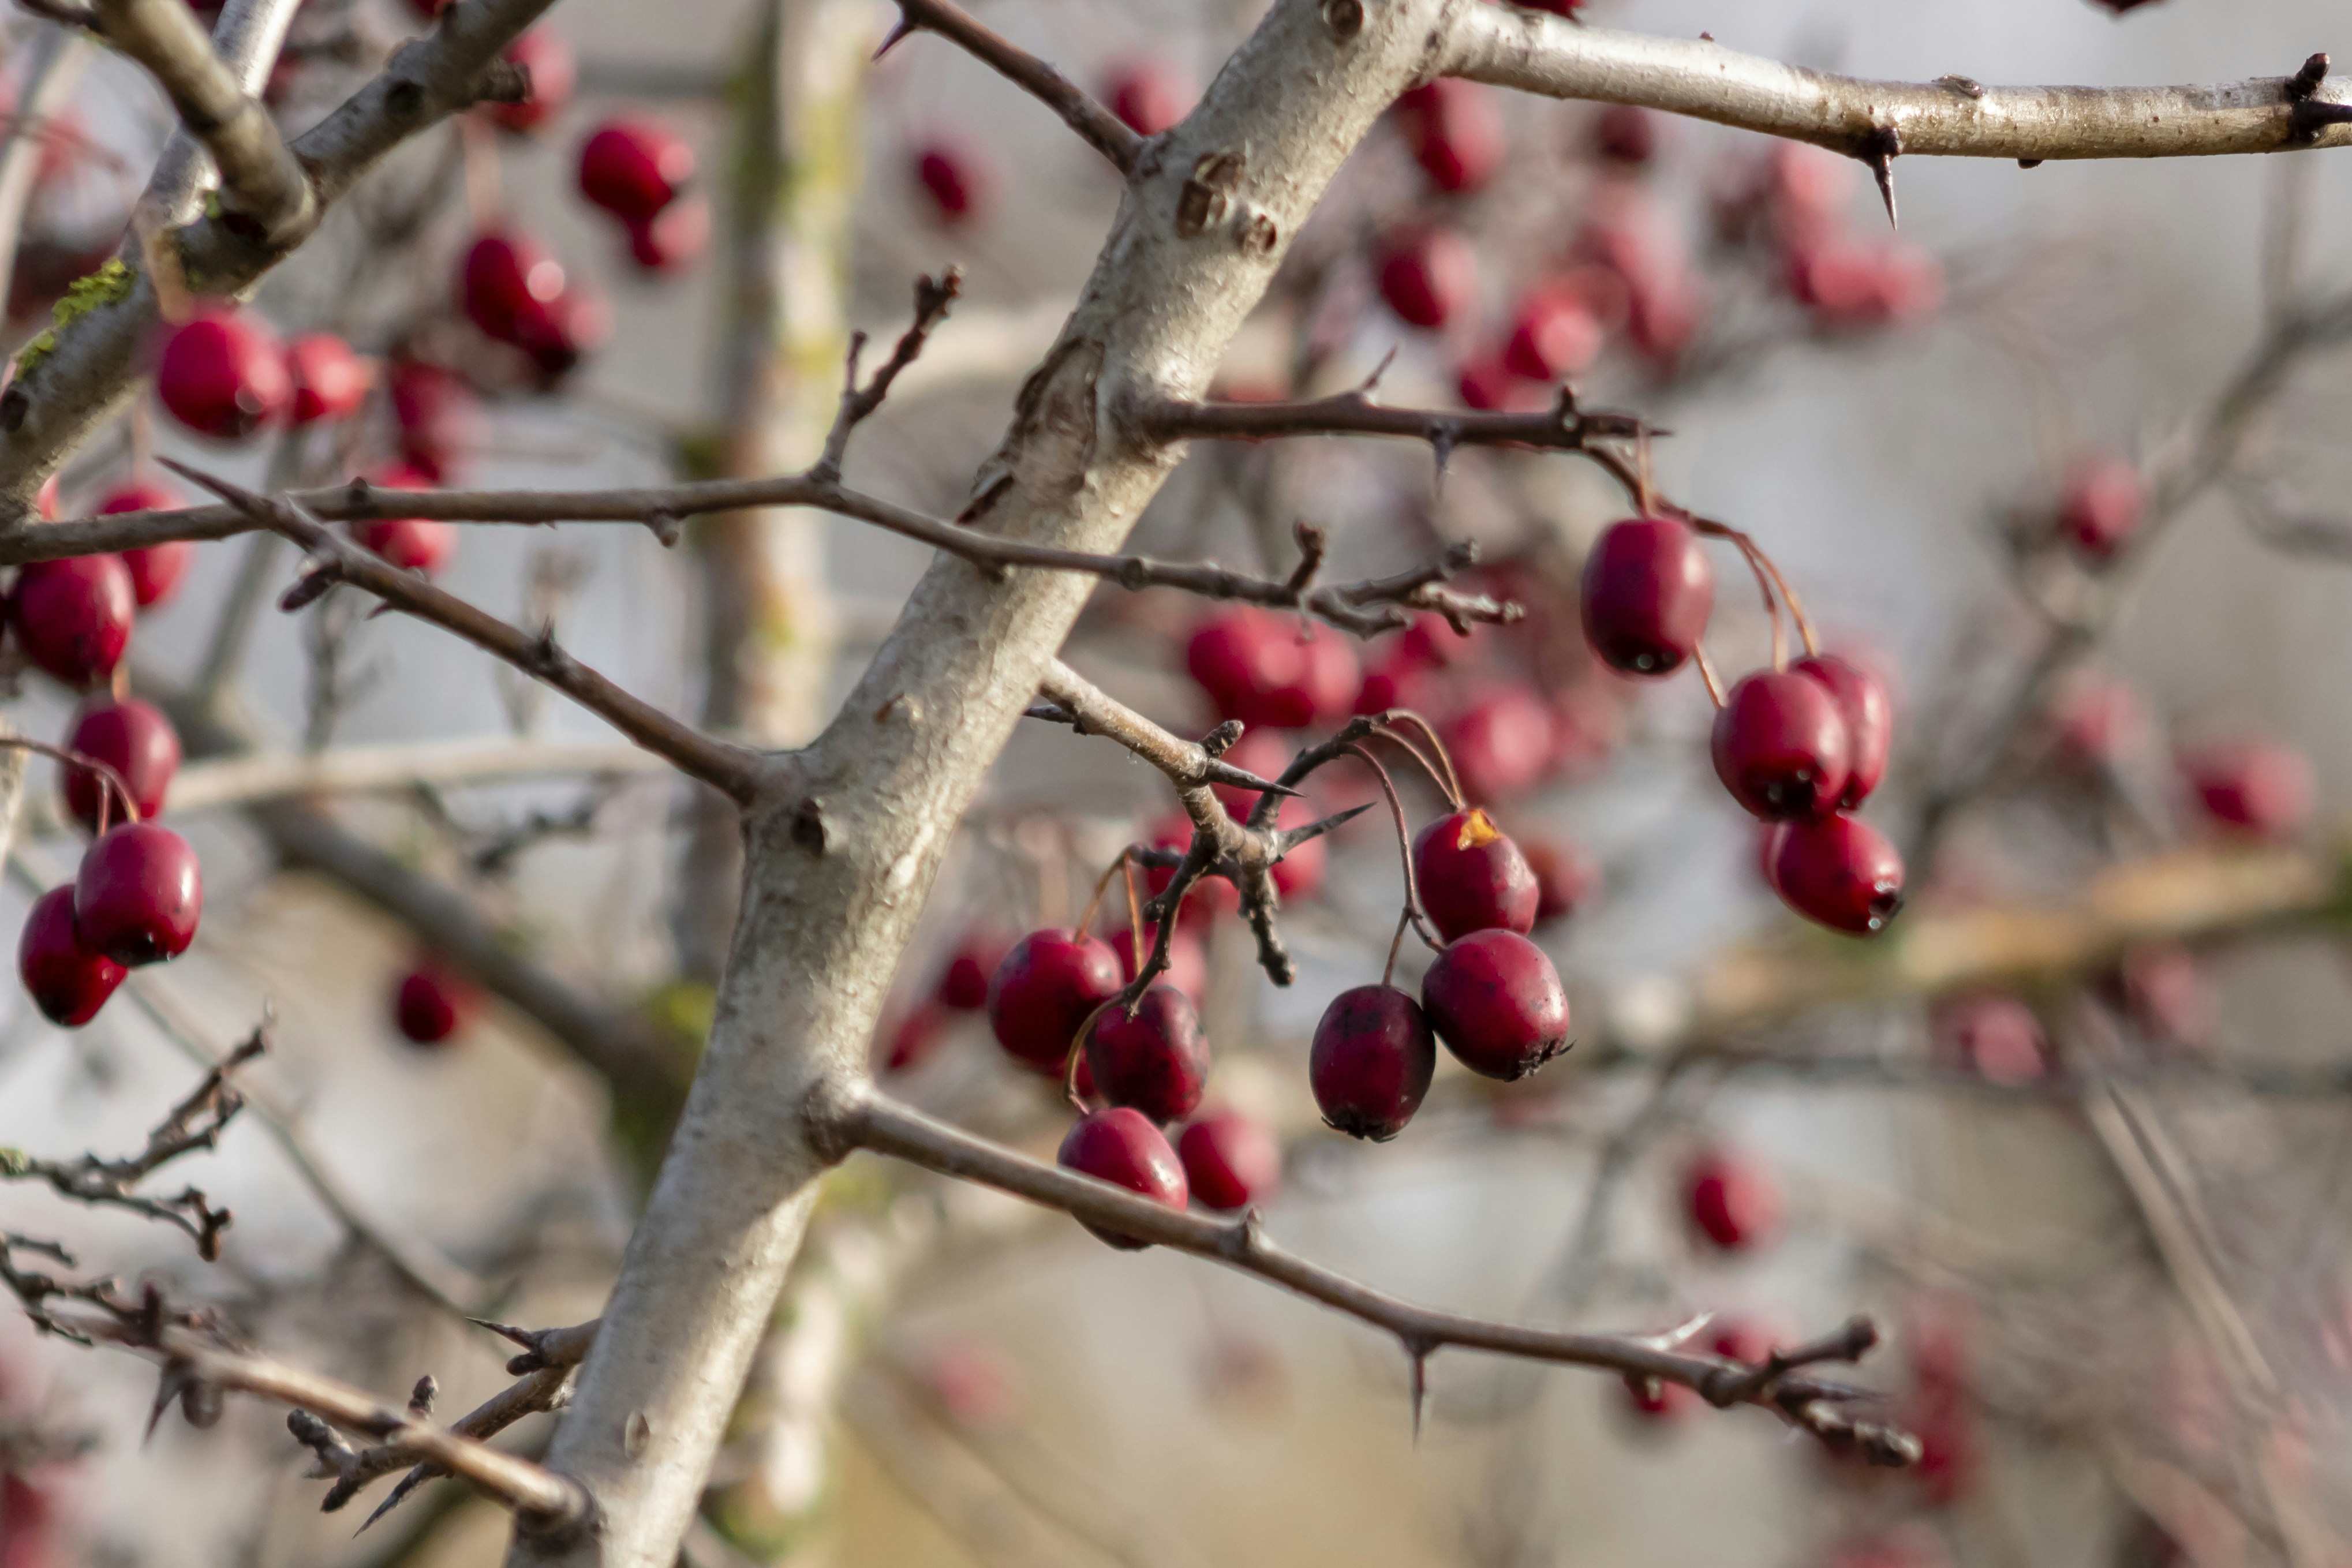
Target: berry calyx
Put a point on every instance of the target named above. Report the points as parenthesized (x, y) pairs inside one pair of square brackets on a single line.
[(430, 1004), (222, 374), (1497, 1002), (413, 544), (67, 979), (1838, 872), (957, 184), (1043, 992), (2100, 509), (138, 894), (1648, 589), (1148, 96), (156, 570), (1427, 275), (1472, 877), (1730, 1202), (547, 60), (1869, 715), (73, 616), (1780, 745), (1122, 1147), (331, 382), (130, 736), (634, 168), (1156, 1061), (1265, 668), (1231, 1161), (2258, 788), (1372, 1061)]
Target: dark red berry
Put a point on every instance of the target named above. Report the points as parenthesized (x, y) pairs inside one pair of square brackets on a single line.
[(1148, 96), (413, 544), (1839, 872), (2101, 506), (138, 894), (1371, 1061), (957, 182), (1188, 960), (556, 334), (1044, 990), (1265, 668), (435, 414), (73, 616), (1862, 702), (1156, 1061), (1488, 384), (1122, 1147), (1555, 332), (914, 1036), (500, 278), (1454, 129), (430, 1004), (1739, 1339), (547, 59), (1427, 275), (1994, 1036), (634, 168), (331, 382), (670, 240), (1473, 877), (1730, 1202), (1231, 1161), (1497, 1002), (964, 984), (2253, 786), (130, 736), (222, 374), (1780, 745), (1624, 134), (1648, 588), (156, 570), (67, 979), (1565, 877)]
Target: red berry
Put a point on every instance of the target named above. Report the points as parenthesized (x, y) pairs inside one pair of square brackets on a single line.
[(1555, 332), (1473, 877), (130, 736), (1648, 588), (1231, 1161), (2101, 506), (914, 1036), (413, 544), (1565, 877), (1556, 7), (222, 374), (1502, 742), (67, 980), (1043, 992), (1371, 1061), (1156, 1061), (1862, 702), (1730, 1202), (1120, 1147), (1299, 874), (1624, 134), (73, 616), (1148, 96), (2253, 786), (557, 333), (1265, 668), (674, 238), (138, 894), (1188, 961), (430, 1004), (1849, 283), (547, 58), (433, 411), (1427, 275), (1454, 129), (501, 275), (331, 382), (964, 984), (1497, 1002), (1739, 1339), (634, 168), (958, 184), (1488, 384), (1997, 1038), (138, 495), (1839, 872), (1780, 745), (157, 571)]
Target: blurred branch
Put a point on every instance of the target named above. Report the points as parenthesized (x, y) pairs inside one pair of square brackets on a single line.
[(56, 58), (1098, 126), (380, 769)]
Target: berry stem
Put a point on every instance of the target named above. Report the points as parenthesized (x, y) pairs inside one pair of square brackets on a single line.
[(1763, 565), (1450, 785), (1134, 915), (1404, 846), (113, 781), (1404, 918), (1077, 1054), (1706, 674), (1102, 886)]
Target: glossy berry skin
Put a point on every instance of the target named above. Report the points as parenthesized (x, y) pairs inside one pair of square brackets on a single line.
[(1371, 1061), (1994, 1036), (130, 736), (1780, 745), (1554, 333), (501, 277), (413, 544), (1861, 701), (73, 617), (156, 571), (1122, 1147), (672, 239), (1156, 1061), (1454, 129), (138, 894), (67, 980), (1148, 97), (1730, 1203), (547, 57), (2253, 787), (1044, 990), (430, 1004), (222, 374), (1263, 668), (331, 382), (1231, 1161), (1472, 877), (1624, 134), (2100, 509), (1427, 275), (1838, 872), (1648, 589), (957, 185), (1497, 1002), (634, 168)]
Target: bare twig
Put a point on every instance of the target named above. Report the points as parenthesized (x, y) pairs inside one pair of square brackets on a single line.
[(1563, 427), (1103, 131), (933, 296)]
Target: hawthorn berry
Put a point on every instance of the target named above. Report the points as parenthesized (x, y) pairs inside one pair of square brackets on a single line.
[(1472, 877), (1565, 877), (1231, 1161), (1122, 1147), (958, 184), (2095, 721), (1780, 745), (73, 616), (1427, 273), (2101, 506), (1454, 130), (1729, 1201), (556, 334), (914, 1036), (435, 414), (1188, 961), (1497, 1002), (222, 374), (138, 894), (413, 544), (1996, 1037), (1852, 284), (67, 979), (1372, 1061), (672, 239), (430, 1004), (1839, 872), (547, 60), (1156, 1061), (2255, 787), (1048, 984), (1624, 134), (1861, 701), (156, 570), (1488, 384), (1647, 591), (331, 382), (1501, 741), (1265, 668), (500, 278), (964, 984), (1555, 332), (1739, 1339), (1149, 96), (634, 168), (130, 736)]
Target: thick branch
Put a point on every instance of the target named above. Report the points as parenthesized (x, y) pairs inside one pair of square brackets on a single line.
[(1189, 765), (1103, 131)]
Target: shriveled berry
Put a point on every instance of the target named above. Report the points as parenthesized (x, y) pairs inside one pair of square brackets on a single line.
[(1122, 1147), (1371, 1061), (1188, 960), (634, 168), (1043, 992), (430, 1004), (1648, 589), (670, 240), (156, 570), (67, 979), (1555, 332), (130, 736), (1231, 1161), (138, 894), (1473, 877), (1729, 1201), (1994, 1036), (1454, 130), (958, 184), (1780, 745), (413, 544), (1149, 96), (1565, 877), (331, 382), (1264, 668), (1156, 1061), (546, 59), (222, 374), (1839, 872), (2100, 509), (73, 616), (1497, 1002), (1862, 702), (1427, 275), (2253, 786)]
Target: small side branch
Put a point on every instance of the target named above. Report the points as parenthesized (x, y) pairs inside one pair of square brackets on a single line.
[(1103, 131), (1189, 765), (933, 296), (1563, 427)]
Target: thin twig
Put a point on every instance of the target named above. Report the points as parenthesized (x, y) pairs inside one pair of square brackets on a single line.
[(1103, 131)]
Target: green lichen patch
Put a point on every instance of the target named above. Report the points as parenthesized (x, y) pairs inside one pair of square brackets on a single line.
[(109, 284)]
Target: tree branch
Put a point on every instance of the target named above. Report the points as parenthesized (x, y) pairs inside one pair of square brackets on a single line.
[(58, 54), (1561, 428), (1189, 765), (378, 770), (1103, 131)]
